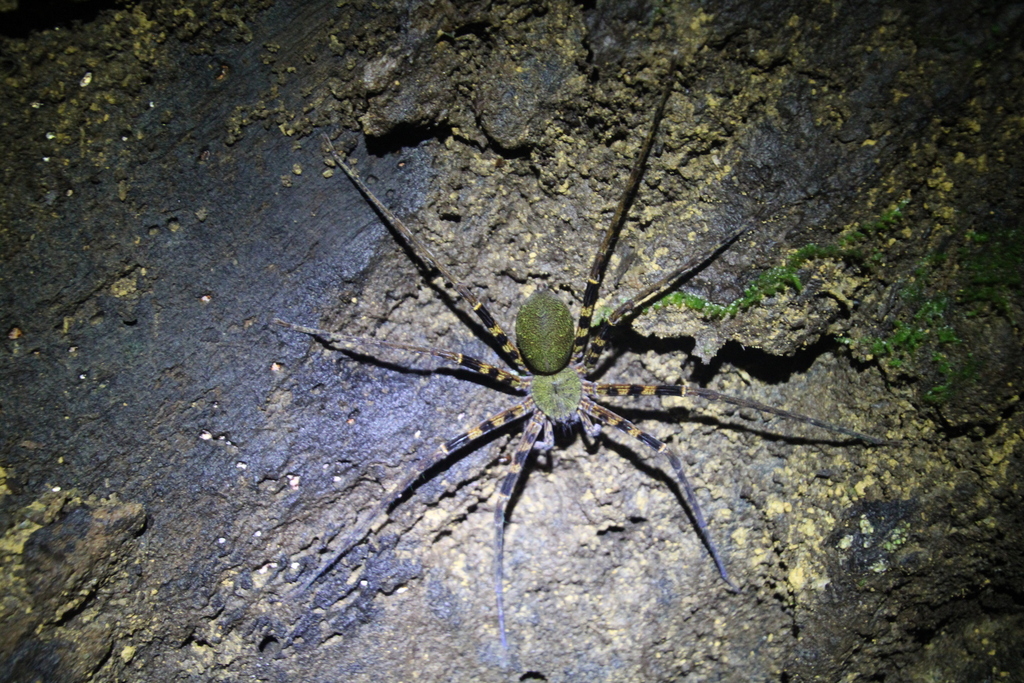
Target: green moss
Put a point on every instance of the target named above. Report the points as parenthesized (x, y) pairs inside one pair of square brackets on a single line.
[(896, 538), (926, 326), (849, 247), (954, 377), (881, 225), (993, 262), (923, 337), (991, 267), (769, 283)]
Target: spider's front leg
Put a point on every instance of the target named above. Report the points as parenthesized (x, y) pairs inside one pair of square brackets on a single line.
[(591, 429), (547, 438), (362, 528), (508, 485), (603, 415)]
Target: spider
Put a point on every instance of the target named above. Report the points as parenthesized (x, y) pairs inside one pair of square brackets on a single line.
[(550, 364)]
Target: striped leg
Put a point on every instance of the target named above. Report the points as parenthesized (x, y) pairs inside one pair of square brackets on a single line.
[(605, 416), (362, 528), (350, 343), (659, 287), (711, 395), (508, 484), (612, 233), (423, 253)]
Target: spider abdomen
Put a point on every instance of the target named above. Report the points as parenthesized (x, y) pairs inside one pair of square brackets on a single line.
[(545, 333)]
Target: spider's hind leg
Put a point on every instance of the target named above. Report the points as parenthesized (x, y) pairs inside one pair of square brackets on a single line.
[(344, 342), (427, 257), (712, 395), (583, 326)]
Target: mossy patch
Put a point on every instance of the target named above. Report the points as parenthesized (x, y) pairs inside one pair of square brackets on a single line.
[(924, 339), (850, 247)]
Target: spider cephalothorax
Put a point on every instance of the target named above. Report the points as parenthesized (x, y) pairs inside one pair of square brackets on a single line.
[(550, 362)]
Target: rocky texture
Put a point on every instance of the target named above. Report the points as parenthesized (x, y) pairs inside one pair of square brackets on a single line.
[(171, 461)]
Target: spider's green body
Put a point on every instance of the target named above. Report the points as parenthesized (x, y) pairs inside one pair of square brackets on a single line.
[(545, 333), (551, 364), (558, 396)]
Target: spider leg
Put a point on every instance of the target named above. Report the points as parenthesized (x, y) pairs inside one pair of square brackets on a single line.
[(350, 343), (711, 395), (612, 233), (601, 337), (362, 528), (603, 415), (424, 253), (590, 428), (547, 438), (508, 484)]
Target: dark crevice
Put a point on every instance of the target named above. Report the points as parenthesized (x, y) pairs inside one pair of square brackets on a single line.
[(43, 15)]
